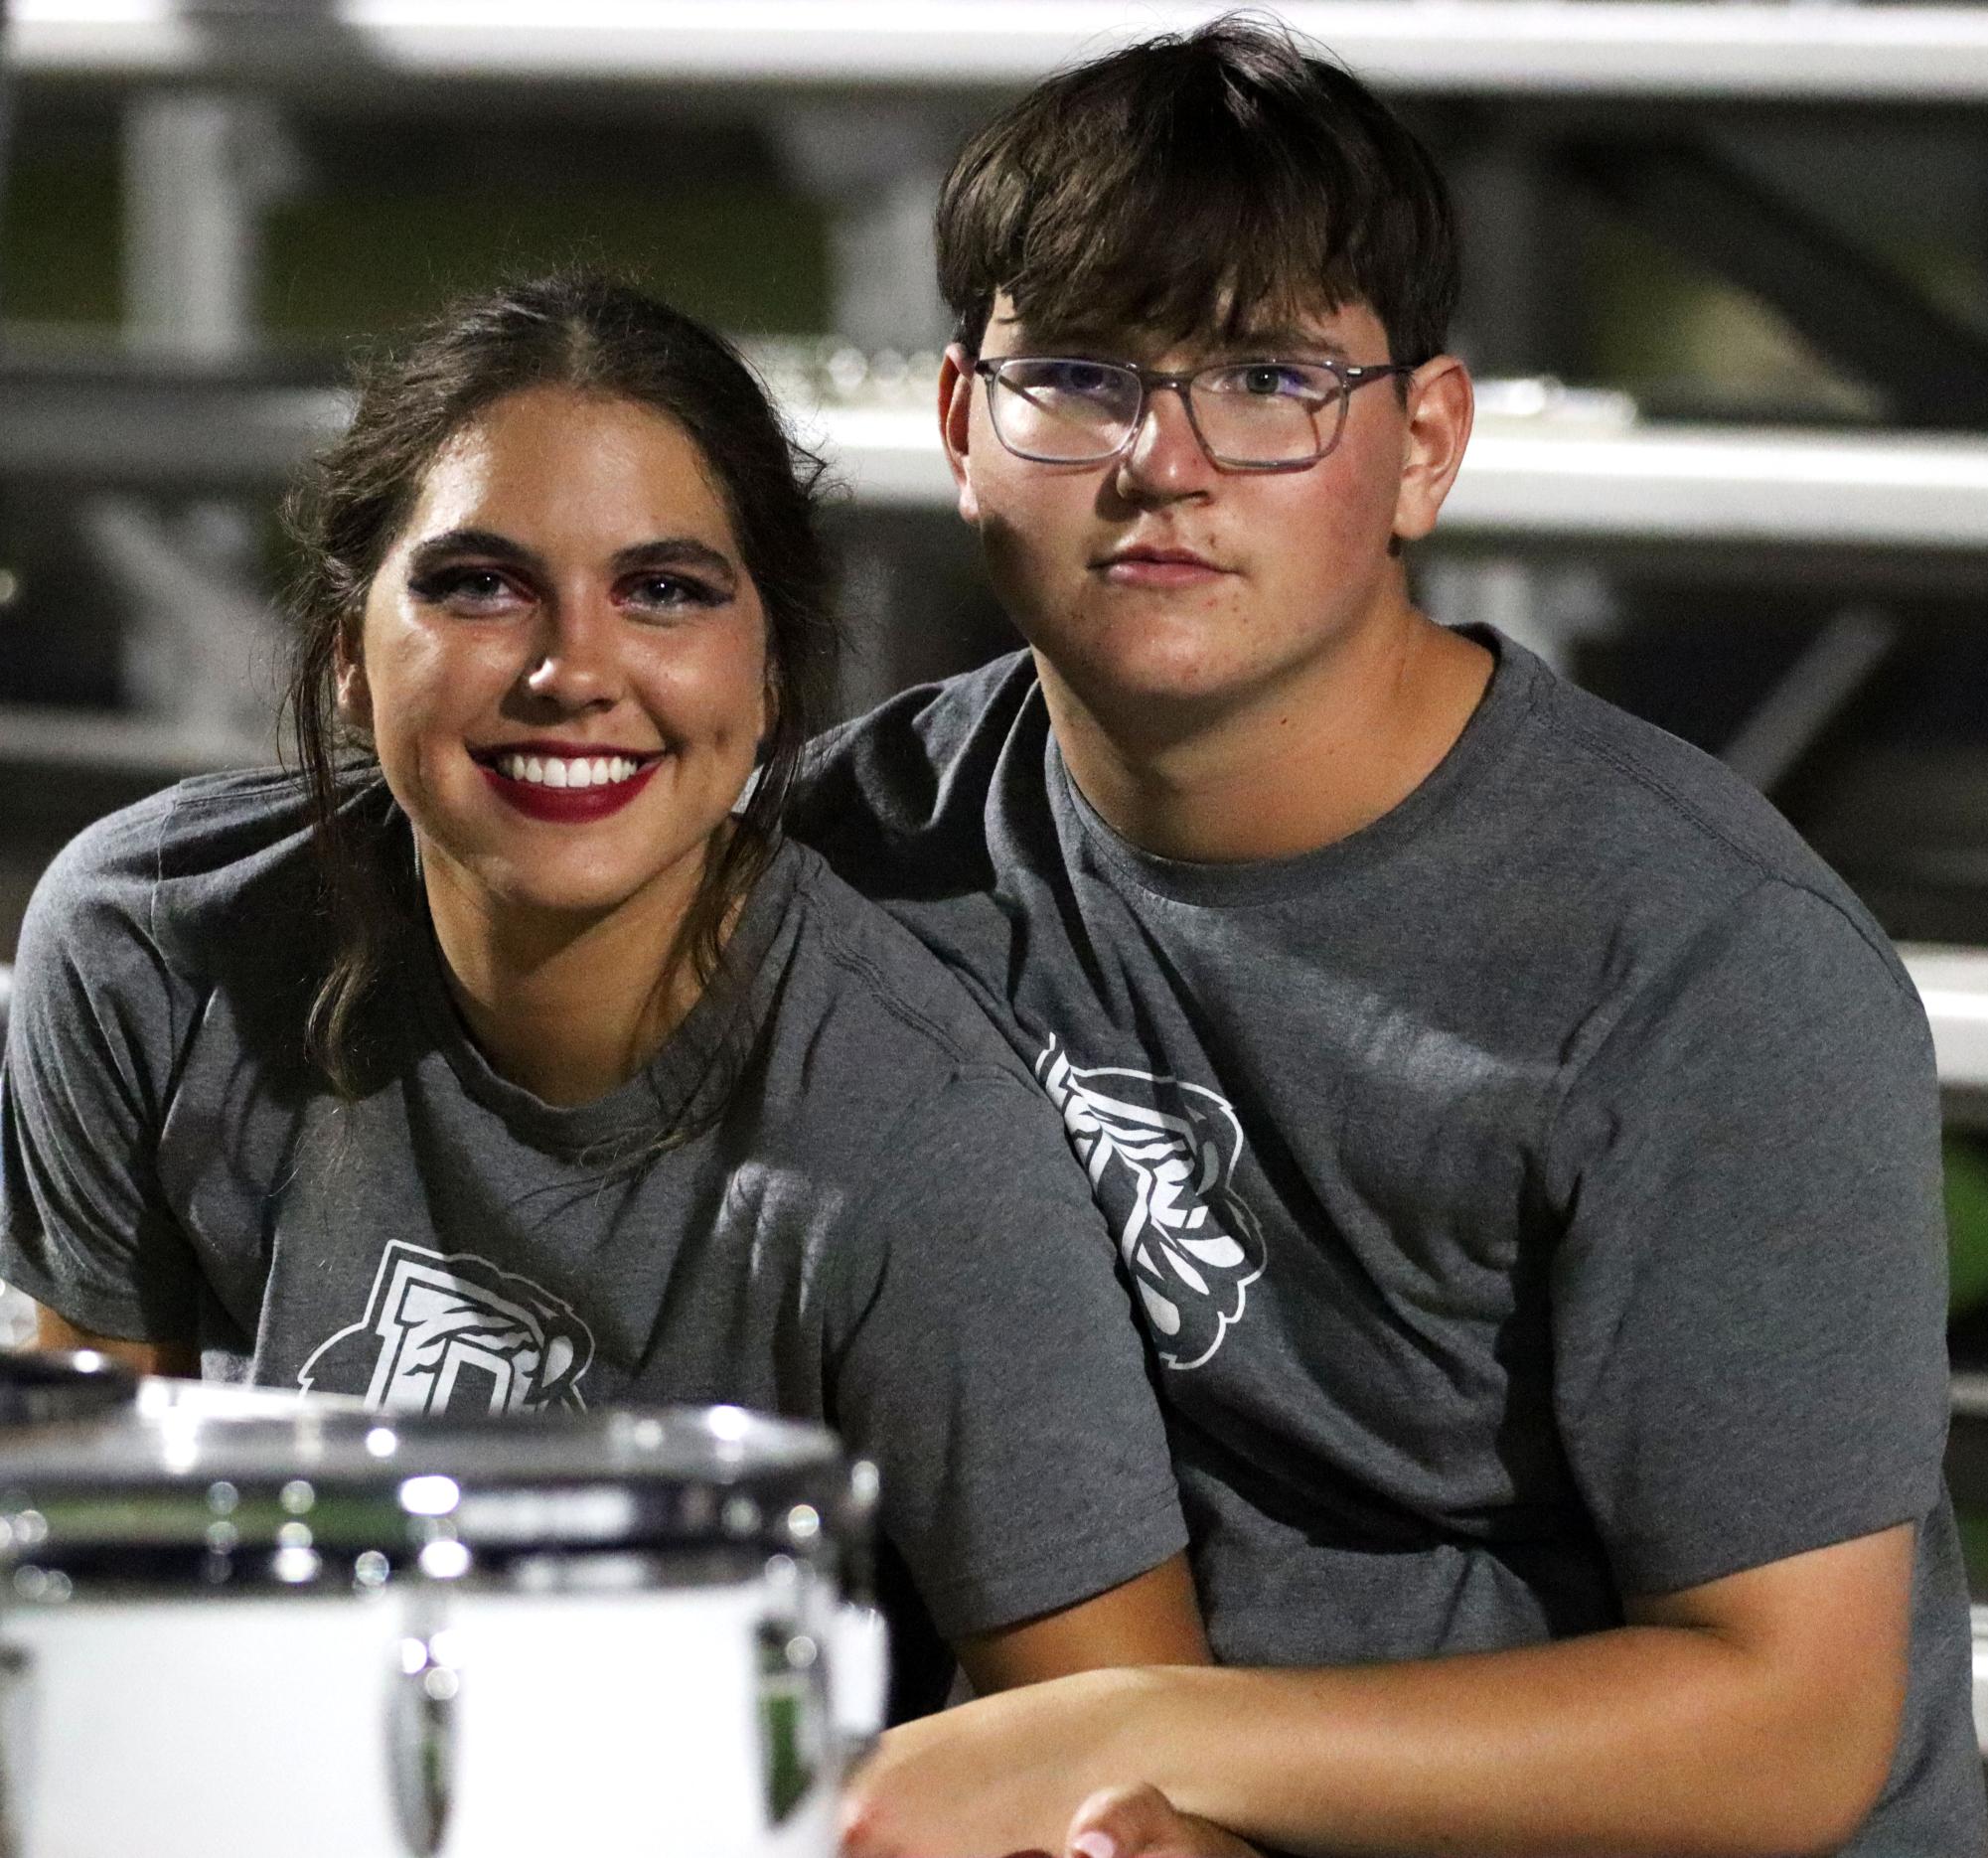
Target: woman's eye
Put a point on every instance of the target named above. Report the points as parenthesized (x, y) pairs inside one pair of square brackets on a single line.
[(467, 590), (668, 593)]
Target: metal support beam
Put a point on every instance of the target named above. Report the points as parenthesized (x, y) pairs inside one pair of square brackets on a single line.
[(879, 170), (1931, 368), (1697, 49), (199, 172), (1516, 314), (1811, 694), (200, 646)]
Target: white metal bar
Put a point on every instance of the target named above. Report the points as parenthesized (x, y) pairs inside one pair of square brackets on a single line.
[(1657, 484), (1556, 48), (1525, 479), (48, 736), (1954, 985), (1710, 484), (1980, 1620)]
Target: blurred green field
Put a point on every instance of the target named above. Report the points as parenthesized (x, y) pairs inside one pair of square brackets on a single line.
[(1966, 1164)]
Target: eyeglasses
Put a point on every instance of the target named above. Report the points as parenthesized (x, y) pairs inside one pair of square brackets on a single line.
[(1249, 416)]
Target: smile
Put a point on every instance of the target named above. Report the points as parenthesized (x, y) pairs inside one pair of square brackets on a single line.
[(568, 790), (560, 771)]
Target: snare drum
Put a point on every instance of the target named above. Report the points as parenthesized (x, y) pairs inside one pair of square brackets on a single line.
[(331, 1635)]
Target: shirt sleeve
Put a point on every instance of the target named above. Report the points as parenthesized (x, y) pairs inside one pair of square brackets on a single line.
[(1750, 1295), (83, 1088), (984, 1353)]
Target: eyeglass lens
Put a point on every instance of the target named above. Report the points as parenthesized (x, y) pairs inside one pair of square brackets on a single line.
[(1248, 412)]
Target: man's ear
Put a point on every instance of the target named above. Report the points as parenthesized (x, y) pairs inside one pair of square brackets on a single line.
[(354, 693), (956, 417), (1440, 406)]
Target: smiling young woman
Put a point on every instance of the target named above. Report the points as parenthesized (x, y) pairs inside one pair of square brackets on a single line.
[(562, 666), (507, 998)]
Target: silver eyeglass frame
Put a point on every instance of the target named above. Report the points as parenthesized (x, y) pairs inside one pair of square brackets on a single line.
[(1350, 375)]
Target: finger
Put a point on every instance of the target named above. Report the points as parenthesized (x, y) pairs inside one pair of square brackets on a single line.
[(1122, 1822), (862, 1835)]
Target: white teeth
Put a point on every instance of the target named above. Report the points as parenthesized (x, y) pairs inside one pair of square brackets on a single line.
[(553, 771)]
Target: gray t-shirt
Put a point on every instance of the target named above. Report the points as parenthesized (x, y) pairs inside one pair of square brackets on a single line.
[(1533, 1198), (882, 1229)]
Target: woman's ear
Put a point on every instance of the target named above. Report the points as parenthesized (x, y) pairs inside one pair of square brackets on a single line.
[(354, 693)]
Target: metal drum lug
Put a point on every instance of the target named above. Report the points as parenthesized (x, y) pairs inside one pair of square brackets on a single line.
[(793, 1714), (17, 1670), (859, 1677), (422, 1730)]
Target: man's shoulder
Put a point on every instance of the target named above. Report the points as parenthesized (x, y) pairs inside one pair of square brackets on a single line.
[(1646, 818), (878, 1002), (919, 763)]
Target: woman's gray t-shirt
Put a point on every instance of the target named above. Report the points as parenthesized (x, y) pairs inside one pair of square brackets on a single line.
[(880, 1226)]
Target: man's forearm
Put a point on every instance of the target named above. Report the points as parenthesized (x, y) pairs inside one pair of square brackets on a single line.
[(1755, 1714), (1652, 1740)]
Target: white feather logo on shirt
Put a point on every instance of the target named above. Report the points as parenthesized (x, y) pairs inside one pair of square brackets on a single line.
[(451, 1333), (1161, 1156)]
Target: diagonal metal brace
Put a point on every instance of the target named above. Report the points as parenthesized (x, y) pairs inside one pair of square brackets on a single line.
[(1930, 367)]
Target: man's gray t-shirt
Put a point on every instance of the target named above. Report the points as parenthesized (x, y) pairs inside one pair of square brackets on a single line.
[(1533, 1198), (880, 1226)]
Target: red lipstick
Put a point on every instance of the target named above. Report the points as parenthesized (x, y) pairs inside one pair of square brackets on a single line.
[(567, 806)]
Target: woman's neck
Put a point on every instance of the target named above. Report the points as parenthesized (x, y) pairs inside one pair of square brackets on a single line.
[(566, 1006)]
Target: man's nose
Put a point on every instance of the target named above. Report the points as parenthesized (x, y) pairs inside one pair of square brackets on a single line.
[(1164, 458)]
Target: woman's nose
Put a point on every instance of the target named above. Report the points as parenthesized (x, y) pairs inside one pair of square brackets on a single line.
[(573, 663)]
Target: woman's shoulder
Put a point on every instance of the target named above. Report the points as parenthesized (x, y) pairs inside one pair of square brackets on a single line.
[(198, 865)]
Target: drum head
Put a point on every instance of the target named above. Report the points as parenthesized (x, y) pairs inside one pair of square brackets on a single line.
[(168, 1492)]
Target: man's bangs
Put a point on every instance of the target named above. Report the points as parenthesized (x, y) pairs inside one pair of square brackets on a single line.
[(1199, 190), (1196, 263)]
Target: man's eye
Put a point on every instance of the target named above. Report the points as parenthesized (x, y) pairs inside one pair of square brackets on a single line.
[(1076, 379), (1268, 380)]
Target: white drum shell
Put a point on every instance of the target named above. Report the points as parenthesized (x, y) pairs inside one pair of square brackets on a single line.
[(580, 1721), (182, 1725)]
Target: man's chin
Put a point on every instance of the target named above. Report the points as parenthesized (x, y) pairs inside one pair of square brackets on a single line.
[(1152, 698)]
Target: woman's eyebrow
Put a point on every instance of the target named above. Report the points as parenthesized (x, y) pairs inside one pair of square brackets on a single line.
[(663, 552), (432, 550), (678, 551)]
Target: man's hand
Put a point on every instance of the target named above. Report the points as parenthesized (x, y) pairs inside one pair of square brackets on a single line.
[(1002, 1774), (1140, 1822), (1137, 1821)]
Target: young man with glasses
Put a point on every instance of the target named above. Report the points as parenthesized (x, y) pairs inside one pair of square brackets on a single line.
[(1523, 1151)]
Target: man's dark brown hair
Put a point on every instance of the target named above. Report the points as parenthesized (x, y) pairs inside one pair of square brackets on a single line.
[(1207, 186)]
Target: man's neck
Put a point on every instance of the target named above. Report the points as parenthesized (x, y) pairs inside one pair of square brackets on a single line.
[(1303, 762)]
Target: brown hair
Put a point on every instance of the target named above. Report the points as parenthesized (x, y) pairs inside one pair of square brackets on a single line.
[(1201, 186), (599, 336)]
